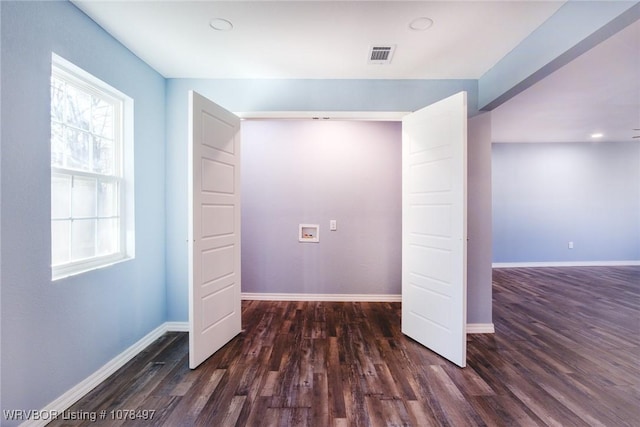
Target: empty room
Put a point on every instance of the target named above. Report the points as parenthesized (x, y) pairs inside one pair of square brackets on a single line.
[(344, 213)]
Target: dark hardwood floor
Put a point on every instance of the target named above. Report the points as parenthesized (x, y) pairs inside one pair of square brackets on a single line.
[(566, 352)]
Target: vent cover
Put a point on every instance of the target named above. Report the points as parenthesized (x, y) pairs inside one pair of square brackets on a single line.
[(381, 54)]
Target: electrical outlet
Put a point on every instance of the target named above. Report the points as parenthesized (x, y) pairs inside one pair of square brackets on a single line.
[(333, 225), (570, 245)]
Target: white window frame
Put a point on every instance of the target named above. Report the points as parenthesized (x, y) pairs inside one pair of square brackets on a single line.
[(123, 176)]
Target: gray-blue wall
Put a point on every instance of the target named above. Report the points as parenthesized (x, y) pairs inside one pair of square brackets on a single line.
[(304, 171), (479, 293), (55, 334), (548, 194)]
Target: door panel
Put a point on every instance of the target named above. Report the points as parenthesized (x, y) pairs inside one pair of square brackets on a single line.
[(214, 228), (434, 168)]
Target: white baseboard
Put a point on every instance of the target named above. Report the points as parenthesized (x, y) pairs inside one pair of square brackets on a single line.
[(251, 296), (177, 326), (480, 328), (77, 392), (565, 264)]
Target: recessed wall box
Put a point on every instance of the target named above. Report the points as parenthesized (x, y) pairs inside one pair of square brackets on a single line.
[(309, 233)]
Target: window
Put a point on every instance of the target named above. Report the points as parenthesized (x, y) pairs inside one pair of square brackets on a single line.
[(91, 218)]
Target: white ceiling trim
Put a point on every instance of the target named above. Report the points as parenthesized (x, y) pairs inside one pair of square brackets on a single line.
[(388, 116)]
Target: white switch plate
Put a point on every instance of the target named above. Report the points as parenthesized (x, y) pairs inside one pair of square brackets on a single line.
[(570, 245), (333, 225)]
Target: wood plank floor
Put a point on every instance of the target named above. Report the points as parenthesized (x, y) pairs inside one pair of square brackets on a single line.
[(566, 352)]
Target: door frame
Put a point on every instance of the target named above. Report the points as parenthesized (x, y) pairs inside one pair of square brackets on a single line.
[(472, 328), (395, 116)]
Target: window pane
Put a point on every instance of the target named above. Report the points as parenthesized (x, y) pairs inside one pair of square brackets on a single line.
[(102, 118), (60, 252), (78, 149), (60, 196), (57, 100), (103, 156), (84, 197), (58, 145), (83, 237), (107, 199), (108, 236), (79, 113)]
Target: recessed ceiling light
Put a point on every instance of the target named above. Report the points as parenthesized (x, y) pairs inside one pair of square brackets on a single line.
[(220, 24), (597, 135), (421, 24)]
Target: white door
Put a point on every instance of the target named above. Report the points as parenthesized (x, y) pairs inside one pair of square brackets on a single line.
[(214, 228), (434, 235)]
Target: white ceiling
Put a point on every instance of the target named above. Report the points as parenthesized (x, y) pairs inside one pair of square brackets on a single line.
[(599, 91), (319, 39)]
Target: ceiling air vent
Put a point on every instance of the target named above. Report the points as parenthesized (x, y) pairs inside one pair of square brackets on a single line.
[(381, 54)]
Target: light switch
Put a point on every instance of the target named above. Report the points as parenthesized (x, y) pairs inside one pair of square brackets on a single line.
[(333, 225)]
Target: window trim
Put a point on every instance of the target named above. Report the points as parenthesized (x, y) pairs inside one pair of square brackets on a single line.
[(123, 175)]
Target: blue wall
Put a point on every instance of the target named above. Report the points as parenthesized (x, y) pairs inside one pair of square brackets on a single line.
[(546, 195), (55, 334)]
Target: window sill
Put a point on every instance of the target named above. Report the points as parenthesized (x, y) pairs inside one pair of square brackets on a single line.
[(62, 272)]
